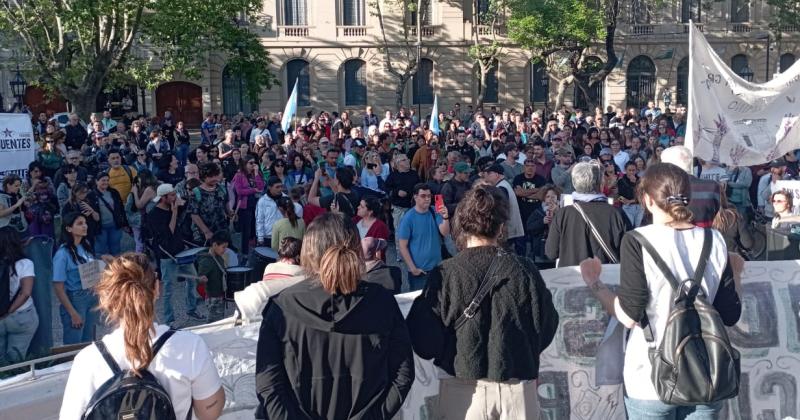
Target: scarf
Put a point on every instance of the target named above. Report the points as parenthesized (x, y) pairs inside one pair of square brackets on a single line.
[(587, 197)]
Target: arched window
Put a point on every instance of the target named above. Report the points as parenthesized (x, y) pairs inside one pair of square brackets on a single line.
[(740, 11), (640, 82), (355, 82), (422, 85), (786, 61), (492, 84), (740, 66), (591, 64), (295, 13), (683, 82), (539, 82), (297, 70), (234, 94)]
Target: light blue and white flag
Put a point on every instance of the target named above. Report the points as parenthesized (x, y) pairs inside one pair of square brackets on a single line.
[(435, 116), (290, 110)]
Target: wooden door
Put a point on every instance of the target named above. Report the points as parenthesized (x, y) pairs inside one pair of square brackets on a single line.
[(38, 102), (184, 99)]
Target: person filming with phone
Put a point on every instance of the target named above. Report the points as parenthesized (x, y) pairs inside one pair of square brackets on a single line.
[(420, 236)]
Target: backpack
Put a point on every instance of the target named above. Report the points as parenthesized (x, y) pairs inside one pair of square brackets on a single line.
[(695, 363), (126, 396)]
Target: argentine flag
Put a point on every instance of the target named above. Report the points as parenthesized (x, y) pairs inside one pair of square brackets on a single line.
[(290, 110), (434, 125)]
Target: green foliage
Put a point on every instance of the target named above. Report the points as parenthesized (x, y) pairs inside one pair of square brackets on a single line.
[(785, 13), (76, 46), (544, 26)]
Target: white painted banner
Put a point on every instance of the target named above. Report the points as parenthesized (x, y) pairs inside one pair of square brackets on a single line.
[(17, 148), (734, 121), (767, 335)]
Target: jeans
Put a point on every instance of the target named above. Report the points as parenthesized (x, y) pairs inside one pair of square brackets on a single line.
[(397, 214), (247, 222), (635, 213), (657, 410), (216, 308), (137, 238), (84, 302), (169, 274), (417, 282), (182, 153), (469, 399), (108, 241), (16, 332)]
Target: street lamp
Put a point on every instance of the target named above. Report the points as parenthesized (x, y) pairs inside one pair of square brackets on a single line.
[(765, 36), (667, 99), (545, 80), (18, 86)]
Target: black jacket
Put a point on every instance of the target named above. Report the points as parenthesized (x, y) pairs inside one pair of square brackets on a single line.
[(388, 276), (452, 193), (571, 241), (515, 323), (323, 356)]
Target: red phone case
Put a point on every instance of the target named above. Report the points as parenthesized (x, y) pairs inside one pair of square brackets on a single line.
[(439, 201)]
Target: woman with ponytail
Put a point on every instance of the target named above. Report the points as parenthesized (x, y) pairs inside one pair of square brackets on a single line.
[(332, 346), (127, 292), (645, 297)]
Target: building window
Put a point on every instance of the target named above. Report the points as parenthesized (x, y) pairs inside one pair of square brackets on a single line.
[(690, 10), (492, 84), (539, 83), (423, 83), (355, 82), (786, 61), (740, 11), (353, 13), (297, 70), (295, 13), (427, 15), (740, 66), (234, 94), (683, 82), (640, 82), (591, 64)]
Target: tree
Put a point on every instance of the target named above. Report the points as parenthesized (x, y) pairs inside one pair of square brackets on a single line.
[(786, 14), (401, 56), (487, 23), (561, 32), (76, 47)]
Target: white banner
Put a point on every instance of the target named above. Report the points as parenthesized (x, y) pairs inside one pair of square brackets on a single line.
[(16, 144), (734, 121)]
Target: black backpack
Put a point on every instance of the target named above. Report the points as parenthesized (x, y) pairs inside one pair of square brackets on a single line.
[(126, 396), (695, 363)]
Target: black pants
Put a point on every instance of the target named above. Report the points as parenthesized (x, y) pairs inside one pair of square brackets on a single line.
[(247, 221)]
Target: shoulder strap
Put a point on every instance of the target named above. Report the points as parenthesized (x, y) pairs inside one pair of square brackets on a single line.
[(611, 255), (161, 340), (701, 266), (128, 171), (488, 282), (107, 357)]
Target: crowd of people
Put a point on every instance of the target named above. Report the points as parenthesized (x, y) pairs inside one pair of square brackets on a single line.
[(498, 194)]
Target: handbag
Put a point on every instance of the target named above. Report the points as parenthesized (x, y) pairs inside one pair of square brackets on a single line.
[(611, 255), (488, 282)]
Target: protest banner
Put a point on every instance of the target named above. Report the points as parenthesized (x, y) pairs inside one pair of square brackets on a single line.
[(767, 335), (731, 120), (17, 148), (90, 273)]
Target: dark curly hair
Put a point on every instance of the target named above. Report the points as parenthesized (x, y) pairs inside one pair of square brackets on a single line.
[(482, 212)]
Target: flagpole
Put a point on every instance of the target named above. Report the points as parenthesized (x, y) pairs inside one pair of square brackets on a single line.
[(689, 135)]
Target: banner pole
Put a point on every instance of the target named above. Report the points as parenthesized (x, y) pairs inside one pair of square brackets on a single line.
[(689, 139)]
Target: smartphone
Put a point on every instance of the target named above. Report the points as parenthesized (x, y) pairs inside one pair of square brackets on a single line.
[(439, 201), (371, 166)]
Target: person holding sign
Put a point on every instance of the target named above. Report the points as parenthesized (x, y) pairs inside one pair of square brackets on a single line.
[(74, 290)]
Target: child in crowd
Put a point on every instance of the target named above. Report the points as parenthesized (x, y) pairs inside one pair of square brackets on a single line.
[(211, 269)]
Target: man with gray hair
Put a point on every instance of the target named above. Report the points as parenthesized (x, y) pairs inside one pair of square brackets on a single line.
[(590, 227), (705, 198)]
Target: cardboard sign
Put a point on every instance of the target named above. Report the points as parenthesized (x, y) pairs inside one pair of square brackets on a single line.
[(90, 273)]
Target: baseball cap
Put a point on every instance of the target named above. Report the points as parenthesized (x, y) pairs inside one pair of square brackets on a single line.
[(460, 130), (496, 168), (777, 163), (163, 189), (606, 151), (461, 167)]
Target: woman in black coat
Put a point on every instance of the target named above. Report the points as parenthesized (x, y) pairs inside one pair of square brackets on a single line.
[(333, 346), (492, 355)]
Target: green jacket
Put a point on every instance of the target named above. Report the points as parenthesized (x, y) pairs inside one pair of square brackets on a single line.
[(207, 267)]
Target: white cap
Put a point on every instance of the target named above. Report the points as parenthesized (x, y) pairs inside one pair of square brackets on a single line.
[(163, 190)]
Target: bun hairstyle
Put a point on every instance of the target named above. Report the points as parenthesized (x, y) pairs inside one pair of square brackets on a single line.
[(127, 294), (482, 213), (670, 187)]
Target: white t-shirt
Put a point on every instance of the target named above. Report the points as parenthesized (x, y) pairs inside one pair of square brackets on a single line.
[(24, 268), (682, 256), (184, 367)]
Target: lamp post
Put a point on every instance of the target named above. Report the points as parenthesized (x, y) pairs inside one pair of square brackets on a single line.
[(765, 36), (667, 97), (419, 61), (546, 88), (18, 86)]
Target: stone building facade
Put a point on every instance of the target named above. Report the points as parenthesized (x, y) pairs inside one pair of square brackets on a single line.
[(336, 50)]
